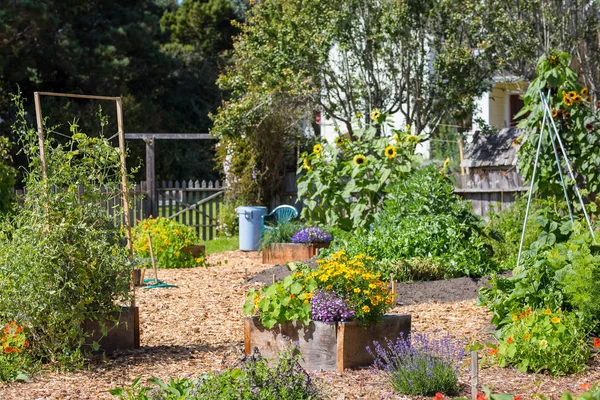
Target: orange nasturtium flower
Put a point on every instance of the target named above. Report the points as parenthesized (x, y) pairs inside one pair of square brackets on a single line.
[(596, 342), (493, 352), (509, 340)]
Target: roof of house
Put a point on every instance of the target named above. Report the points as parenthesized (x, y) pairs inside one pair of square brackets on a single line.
[(492, 149)]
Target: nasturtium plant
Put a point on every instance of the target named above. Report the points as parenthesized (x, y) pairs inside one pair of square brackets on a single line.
[(342, 183), (576, 119)]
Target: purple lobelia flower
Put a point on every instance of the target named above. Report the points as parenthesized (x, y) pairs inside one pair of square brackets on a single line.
[(328, 307), (311, 235)]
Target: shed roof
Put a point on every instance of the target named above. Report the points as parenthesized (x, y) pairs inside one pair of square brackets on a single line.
[(492, 149)]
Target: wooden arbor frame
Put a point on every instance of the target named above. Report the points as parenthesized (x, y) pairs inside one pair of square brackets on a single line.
[(120, 133)]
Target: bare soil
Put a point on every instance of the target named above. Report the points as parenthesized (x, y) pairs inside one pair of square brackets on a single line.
[(197, 327)]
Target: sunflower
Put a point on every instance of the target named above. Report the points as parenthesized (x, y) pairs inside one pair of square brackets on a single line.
[(360, 160), (339, 141), (553, 60), (554, 113), (572, 94), (375, 114), (584, 91), (306, 164), (390, 152), (412, 139), (577, 99), (317, 148), (567, 115)]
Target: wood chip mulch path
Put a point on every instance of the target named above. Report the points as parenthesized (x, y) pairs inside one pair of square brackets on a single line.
[(197, 327)]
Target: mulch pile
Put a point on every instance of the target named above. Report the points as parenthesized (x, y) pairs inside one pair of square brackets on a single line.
[(198, 327)]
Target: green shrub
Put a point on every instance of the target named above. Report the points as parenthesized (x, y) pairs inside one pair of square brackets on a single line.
[(544, 340), (228, 225), (253, 379), (60, 258), (423, 232), (168, 237), (7, 176)]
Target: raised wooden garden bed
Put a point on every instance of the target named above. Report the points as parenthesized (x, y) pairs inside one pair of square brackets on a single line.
[(122, 335), (281, 253), (326, 346)]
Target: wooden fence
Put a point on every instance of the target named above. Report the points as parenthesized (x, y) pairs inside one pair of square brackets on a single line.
[(489, 190), (192, 203)]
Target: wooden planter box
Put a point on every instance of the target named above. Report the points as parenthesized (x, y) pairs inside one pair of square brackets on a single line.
[(123, 335), (281, 253), (326, 346)]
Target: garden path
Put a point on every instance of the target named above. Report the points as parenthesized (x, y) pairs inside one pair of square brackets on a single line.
[(197, 327)]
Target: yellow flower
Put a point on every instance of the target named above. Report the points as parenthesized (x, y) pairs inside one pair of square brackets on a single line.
[(584, 91), (328, 287), (375, 114), (360, 160), (358, 114), (412, 139), (568, 101), (446, 162), (366, 309), (317, 148), (526, 336), (543, 343), (396, 138), (308, 295), (390, 152), (407, 127), (572, 94), (372, 285), (577, 99), (339, 141), (548, 312), (555, 320), (356, 290), (374, 301), (514, 318), (366, 292), (306, 164)]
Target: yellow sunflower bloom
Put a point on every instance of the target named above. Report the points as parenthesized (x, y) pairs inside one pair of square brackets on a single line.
[(584, 91), (306, 164), (317, 148), (577, 99), (390, 152), (360, 160), (375, 114), (412, 139), (572, 94), (568, 101), (339, 141)]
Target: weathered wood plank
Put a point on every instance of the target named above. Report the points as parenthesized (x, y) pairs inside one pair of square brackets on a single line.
[(280, 253)]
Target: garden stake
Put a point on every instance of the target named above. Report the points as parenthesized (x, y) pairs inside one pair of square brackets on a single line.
[(273, 278), (474, 374), (153, 259)]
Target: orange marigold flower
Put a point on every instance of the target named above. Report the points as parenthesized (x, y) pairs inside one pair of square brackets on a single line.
[(596, 342), (509, 340)]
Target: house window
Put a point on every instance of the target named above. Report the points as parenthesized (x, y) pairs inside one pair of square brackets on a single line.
[(515, 104)]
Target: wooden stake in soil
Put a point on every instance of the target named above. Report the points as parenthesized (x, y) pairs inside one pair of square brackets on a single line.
[(393, 283), (474, 375), (153, 259)]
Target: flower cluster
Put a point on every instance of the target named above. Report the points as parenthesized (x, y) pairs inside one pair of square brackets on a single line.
[(311, 235), (329, 307), (169, 237), (351, 279), (420, 364), (13, 339)]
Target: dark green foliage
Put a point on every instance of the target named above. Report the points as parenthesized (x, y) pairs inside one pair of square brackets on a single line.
[(424, 232), (253, 379), (7, 176)]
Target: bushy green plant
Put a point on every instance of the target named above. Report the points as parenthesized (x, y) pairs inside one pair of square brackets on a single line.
[(280, 233), (60, 257), (544, 340), (343, 184), (169, 238), (423, 232), (254, 379), (228, 220)]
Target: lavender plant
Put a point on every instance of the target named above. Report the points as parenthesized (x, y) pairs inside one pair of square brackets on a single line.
[(329, 307), (420, 364), (311, 235)]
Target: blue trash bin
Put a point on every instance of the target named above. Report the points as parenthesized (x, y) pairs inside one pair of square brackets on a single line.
[(250, 226)]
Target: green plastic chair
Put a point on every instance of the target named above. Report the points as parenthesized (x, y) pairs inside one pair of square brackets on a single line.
[(279, 214)]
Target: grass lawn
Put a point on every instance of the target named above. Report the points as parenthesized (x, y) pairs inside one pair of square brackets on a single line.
[(221, 244)]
